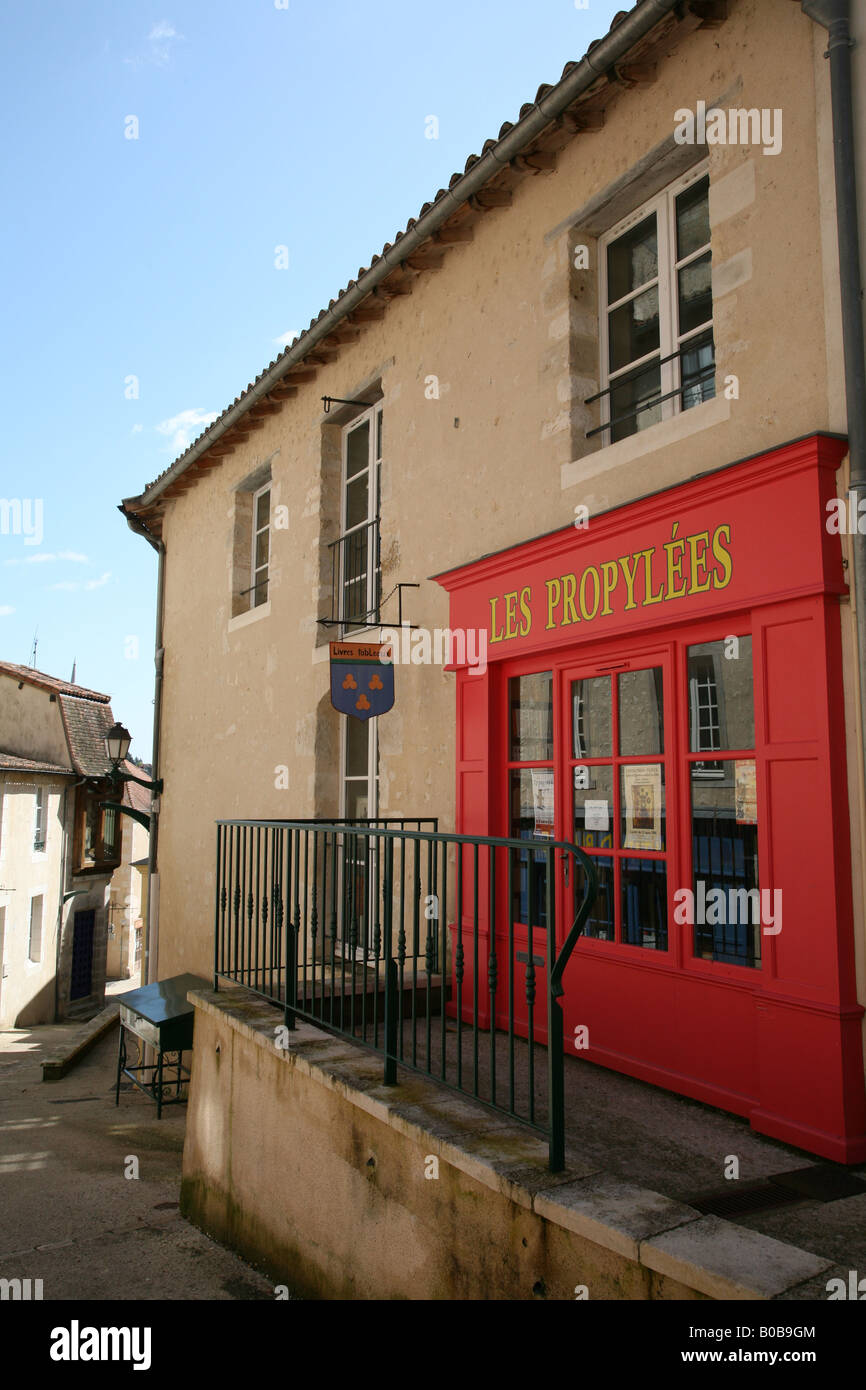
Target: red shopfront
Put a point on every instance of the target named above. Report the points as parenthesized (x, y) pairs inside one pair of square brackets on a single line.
[(664, 687)]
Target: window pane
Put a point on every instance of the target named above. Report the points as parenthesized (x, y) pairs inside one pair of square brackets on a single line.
[(531, 819), (642, 806), (693, 218), (591, 720), (641, 712), (644, 903), (262, 510), (357, 507), (531, 700), (698, 374), (357, 804), (600, 923), (725, 866), (262, 549), (593, 807), (695, 293), (379, 430), (634, 329), (357, 745), (627, 398), (721, 696), (632, 260), (260, 591), (358, 449)]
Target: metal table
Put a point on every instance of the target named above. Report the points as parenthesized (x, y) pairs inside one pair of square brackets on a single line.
[(160, 1017)]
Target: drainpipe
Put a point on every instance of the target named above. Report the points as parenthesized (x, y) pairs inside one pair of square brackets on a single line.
[(834, 16), (151, 937)]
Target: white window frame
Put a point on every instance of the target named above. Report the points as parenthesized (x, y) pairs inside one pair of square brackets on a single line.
[(255, 600), (40, 821), (372, 784), (663, 204), (40, 898), (373, 470)]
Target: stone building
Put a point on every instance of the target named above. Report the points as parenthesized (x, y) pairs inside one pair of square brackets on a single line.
[(588, 410)]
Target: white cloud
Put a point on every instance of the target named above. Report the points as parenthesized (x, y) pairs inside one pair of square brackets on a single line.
[(98, 583), (68, 584), (159, 51), (71, 586), (185, 427), (136, 429), (47, 557), (286, 338), (163, 30), (5, 610)]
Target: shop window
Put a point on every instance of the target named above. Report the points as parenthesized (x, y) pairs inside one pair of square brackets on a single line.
[(531, 804), (357, 561), (619, 803), (657, 347), (724, 807)]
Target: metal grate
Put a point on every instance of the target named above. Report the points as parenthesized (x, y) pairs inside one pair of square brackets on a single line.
[(819, 1182)]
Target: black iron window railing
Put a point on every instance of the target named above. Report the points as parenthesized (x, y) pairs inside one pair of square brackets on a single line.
[(356, 578), (697, 365), (405, 940)]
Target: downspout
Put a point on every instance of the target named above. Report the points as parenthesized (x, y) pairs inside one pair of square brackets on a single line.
[(151, 936), (834, 16)]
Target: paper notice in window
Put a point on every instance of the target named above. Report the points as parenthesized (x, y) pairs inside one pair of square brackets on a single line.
[(542, 800), (597, 815), (642, 795), (746, 793)]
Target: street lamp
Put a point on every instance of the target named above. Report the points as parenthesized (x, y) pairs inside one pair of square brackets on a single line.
[(117, 741)]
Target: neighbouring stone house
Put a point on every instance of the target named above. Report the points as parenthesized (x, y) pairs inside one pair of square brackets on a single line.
[(58, 847)]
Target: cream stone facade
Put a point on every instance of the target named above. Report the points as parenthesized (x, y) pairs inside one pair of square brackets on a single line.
[(57, 849), (483, 356)]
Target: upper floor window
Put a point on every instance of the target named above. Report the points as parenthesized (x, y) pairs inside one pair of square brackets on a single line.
[(260, 547), (357, 566), (96, 842), (39, 819), (657, 349), (251, 556)]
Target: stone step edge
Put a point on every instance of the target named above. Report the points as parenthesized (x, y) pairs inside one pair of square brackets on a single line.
[(70, 1054)]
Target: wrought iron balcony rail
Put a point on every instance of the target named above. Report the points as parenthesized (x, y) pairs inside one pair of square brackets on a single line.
[(442, 953), (356, 578)]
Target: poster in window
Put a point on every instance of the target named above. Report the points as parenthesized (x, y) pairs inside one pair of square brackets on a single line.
[(746, 793), (596, 815), (542, 801), (642, 795)]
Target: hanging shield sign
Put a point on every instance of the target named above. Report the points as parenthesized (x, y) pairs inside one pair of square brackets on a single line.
[(361, 684)]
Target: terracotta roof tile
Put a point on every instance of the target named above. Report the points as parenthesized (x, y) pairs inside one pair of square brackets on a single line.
[(10, 762), (86, 724), (52, 684)]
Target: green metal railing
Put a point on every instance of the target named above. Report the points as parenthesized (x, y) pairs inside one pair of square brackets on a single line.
[(439, 952)]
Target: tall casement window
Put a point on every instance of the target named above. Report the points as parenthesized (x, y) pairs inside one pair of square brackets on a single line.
[(360, 788), (260, 547), (39, 819), (657, 351), (530, 791), (35, 946), (251, 543), (357, 567)]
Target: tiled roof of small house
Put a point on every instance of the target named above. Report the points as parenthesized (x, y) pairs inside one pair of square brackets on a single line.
[(53, 684), (11, 762), (86, 723)]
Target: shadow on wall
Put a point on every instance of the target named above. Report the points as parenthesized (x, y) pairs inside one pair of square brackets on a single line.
[(39, 1009)]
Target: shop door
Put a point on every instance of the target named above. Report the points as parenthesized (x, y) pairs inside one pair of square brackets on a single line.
[(613, 764)]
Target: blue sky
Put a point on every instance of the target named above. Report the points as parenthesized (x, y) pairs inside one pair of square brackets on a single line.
[(153, 257)]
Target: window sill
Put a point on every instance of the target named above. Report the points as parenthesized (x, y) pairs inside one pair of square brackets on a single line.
[(661, 436), (253, 616)]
